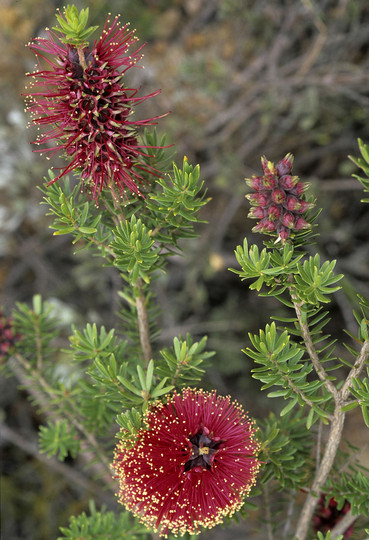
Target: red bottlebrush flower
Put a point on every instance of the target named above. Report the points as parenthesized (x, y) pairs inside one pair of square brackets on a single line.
[(191, 465), (82, 99), (278, 196), (327, 516), (7, 336)]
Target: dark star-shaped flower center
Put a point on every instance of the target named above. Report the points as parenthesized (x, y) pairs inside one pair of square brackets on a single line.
[(204, 448)]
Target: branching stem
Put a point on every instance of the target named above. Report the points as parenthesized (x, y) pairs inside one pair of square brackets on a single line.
[(321, 475), (322, 374), (355, 370), (334, 439)]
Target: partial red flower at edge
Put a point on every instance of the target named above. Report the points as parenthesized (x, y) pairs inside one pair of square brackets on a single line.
[(191, 466), (327, 516), (8, 338), (87, 109)]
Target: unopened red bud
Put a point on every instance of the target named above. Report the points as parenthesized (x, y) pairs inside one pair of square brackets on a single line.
[(257, 212), (288, 220), (304, 206), (268, 225), (258, 199), (274, 212), (264, 225), (268, 166), (299, 188), (269, 181), (255, 182), (278, 196), (285, 165), (301, 223), (283, 233), (288, 182), (292, 203)]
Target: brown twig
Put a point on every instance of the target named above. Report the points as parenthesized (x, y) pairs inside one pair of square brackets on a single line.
[(143, 322)]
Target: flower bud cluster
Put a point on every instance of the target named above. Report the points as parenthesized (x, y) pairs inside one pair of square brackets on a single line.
[(277, 201)]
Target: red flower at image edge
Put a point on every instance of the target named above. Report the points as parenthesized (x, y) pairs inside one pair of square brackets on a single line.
[(8, 338), (84, 102), (191, 465), (327, 516)]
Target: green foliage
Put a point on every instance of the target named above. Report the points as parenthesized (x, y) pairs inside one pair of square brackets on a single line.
[(181, 364), (99, 395), (285, 450), (73, 214), (363, 163), (353, 487), (59, 438), (282, 365), (113, 384), (102, 525), (363, 319), (314, 282), (156, 154), (328, 536), (130, 421), (176, 207), (74, 26), (275, 267), (142, 388), (91, 344), (37, 327), (134, 250), (360, 390), (266, 266)]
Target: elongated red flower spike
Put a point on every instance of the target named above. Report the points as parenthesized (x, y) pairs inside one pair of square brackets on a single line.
[(277, 200), (192, 464), (79, 95)]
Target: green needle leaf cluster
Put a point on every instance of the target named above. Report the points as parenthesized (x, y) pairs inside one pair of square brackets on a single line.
[(59, 438), (134, 251), (283, 365), (74, 26), (103, 525)]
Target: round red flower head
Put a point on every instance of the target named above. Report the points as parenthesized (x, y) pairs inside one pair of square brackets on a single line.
[(191, 465), (83, 101)]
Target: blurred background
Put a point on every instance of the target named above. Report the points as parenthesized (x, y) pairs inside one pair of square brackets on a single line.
[(241, 78)]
